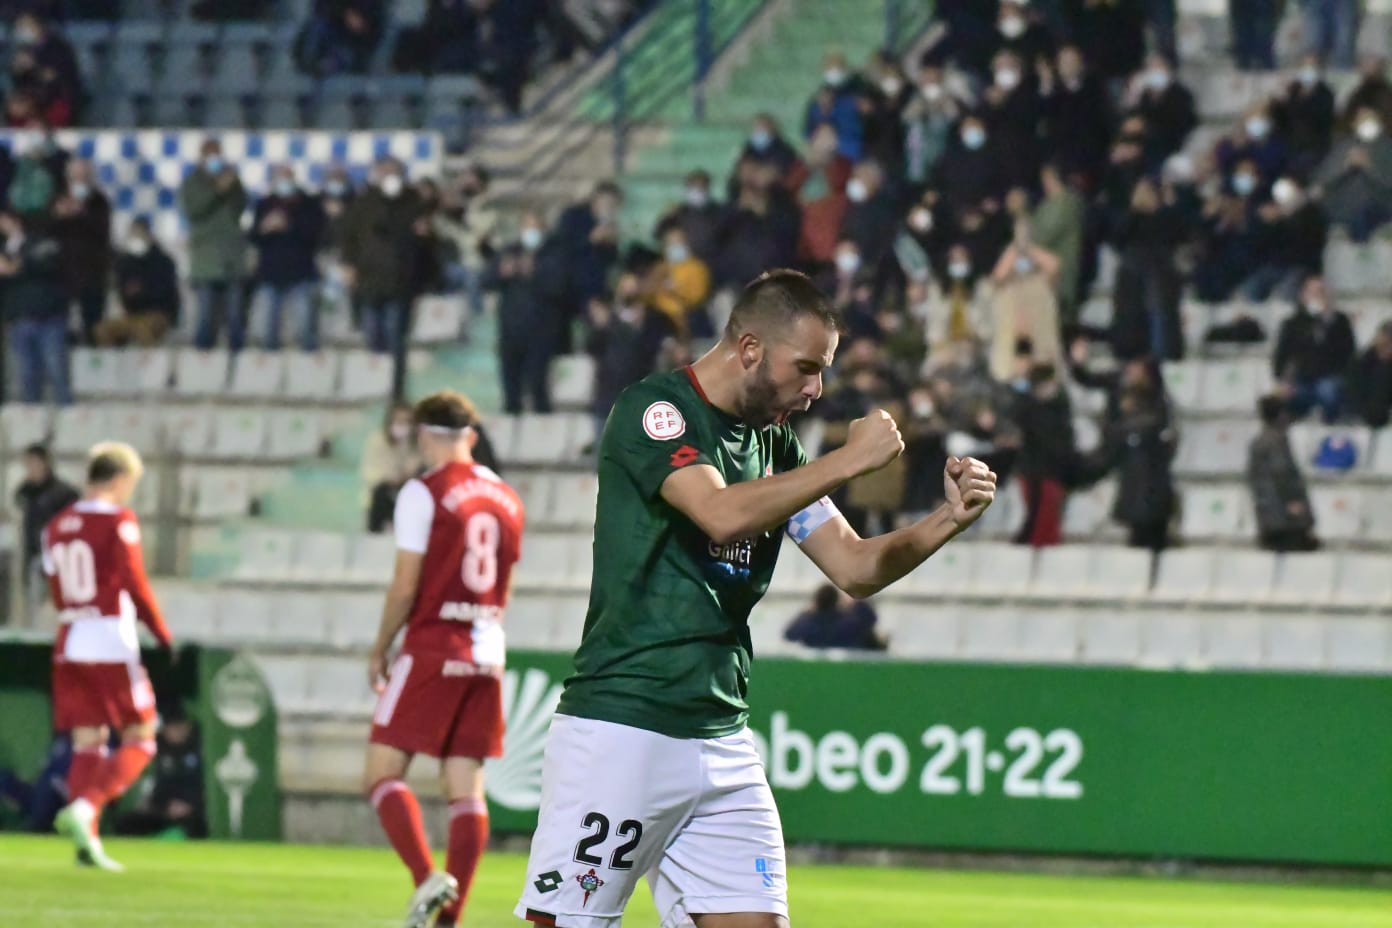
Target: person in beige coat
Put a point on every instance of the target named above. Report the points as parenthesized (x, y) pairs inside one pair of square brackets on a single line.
[(389, 459), (1024, 308)]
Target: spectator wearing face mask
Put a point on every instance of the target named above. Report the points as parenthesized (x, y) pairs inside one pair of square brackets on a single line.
[(533, 280), (1304, 117), (1233, 238), (1024, 309), (625, 340), (1253, 27), (1146, 295), (834, 104), (848, 284), (1127, 165), (1253, 140), (767, 145), (880, 106), (871, 500), (82, 224), (1138, 444), (1370, 380), (1313, 352), (1012, 115), (971, 173), (1048, 449), (1023, 35), (1078, 117), (1295, 232), (469, 224), (213, 200), (1166, 105), (379, 252), (698, 215), (871, 216), (763, 229), (955, 308), (389, 459), (679, 285), (147, 287), (35, 308), (1356, 179), (32, 186), (286, 230), (1373, 91), (336, 196), (823, 193), (45, 67), (929, 118), (1057, 225), (923, 238), (588, 234)]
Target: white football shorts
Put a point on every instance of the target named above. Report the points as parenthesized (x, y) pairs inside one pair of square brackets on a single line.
[(695, 816)]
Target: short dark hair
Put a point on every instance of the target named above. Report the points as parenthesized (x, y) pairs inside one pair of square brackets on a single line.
[(699, 176), (825, 598), (1271, 408), (779, 298), (609, 187), (40, 451), (446, 409)]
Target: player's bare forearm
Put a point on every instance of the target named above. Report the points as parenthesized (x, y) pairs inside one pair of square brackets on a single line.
[(728, 513), (395, 611), (888, 558)]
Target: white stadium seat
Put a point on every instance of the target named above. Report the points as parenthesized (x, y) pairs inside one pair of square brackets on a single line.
[(1215, 447), (351, 619), (1184, 383), (1382, 453), (239, 433), (287, 680), (1234, 386), (320, 557), (1121, 573), (438, 318), (189, 431), (1359, 645), (580, 435), (1184, 575), (247, 616), (1233, 641), (1306, 438), (1305, 579), (991, 634), (299, 616), (313, 376), (575, 499), (97, 372), (537, 490), (365, 376), (1215, 512), (78, 428), (139, 426), (1001, 570), (1377, 516), (192, 613), (1243, 576), (372, 559), (540, 438), (1293, 642), (545, 561), (338, 685), (572, 380), (947, 573), (1109, 637), (258, 374), (150, 369), (1061, 572), (1048, 636), (200, 373), (1338, 513), (23, 424), (293, 434), (1363, 581), (529, 617), (220, 493), (1171, 640), (266, 554), (920, 630)]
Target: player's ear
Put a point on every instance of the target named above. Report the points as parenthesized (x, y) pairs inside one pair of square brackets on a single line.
[(471, 437), (751, 350)]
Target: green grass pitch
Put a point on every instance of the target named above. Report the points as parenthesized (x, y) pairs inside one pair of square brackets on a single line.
[(289, 886)]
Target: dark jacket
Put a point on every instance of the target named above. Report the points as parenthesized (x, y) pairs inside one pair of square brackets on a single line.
[(86, 240), (1139, 446), (625, 351), (379, 244), (37, 289), (217, 248), (533, 296), (1276, 482), (1313, 346), (1170, 116), (1147, 280), (1078, 127), (967, 177), (1296, 242), (148, 283), (286, 256), (40, 502), (703, 226), (849, 627), (1305, 121), (872, 225), (587, 262), (1370, 383), (1048, 449)]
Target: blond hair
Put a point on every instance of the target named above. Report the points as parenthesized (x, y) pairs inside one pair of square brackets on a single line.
[(109, 459)]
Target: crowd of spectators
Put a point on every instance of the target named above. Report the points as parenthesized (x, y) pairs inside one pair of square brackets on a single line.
[(956, 209)]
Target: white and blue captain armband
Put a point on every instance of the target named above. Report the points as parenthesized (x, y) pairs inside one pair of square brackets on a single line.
[(802, 525)]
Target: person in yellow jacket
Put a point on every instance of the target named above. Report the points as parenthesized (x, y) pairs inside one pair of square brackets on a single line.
[(679, 285)]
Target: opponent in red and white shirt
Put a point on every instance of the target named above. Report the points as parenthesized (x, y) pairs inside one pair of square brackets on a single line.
[(458, 533), (91, 553)]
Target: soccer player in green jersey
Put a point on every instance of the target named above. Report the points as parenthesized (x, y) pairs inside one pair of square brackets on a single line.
[(649, 767)]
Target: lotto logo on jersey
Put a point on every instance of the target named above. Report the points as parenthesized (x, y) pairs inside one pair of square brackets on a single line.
[(663, 421)]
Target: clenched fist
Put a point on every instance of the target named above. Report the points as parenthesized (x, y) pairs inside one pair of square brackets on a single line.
[(874, 441), (969, 486)]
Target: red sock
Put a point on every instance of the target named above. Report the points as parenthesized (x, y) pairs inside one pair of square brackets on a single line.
[(468, 836), (86, 763), (400, 816), (119, 771)]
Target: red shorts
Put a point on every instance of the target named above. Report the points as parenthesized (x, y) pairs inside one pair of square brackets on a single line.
[(91, 695), (441, 706)]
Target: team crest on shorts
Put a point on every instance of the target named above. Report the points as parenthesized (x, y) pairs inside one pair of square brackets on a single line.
[(590, 883)]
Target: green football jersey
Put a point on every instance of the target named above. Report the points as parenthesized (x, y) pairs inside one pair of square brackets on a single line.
[(666, 643)]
